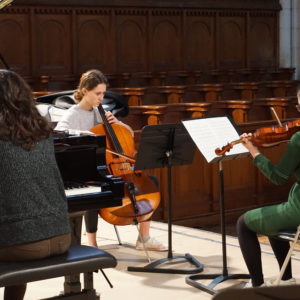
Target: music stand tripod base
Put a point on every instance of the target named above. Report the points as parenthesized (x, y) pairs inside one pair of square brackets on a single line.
[(161, 146), (152, 267), (217, 278)]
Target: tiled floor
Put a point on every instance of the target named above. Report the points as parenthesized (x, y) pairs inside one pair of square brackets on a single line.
[(203, 245)]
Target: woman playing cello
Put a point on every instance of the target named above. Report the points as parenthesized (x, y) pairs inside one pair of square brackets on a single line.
[(80, 118)]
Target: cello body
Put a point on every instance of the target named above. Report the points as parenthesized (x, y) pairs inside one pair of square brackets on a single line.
[(141, 195)]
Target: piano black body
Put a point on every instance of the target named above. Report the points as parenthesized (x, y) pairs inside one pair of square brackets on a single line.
[(81, 159)]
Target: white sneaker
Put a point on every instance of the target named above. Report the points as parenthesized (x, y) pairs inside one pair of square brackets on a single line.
[(272, 281), (249, 285), (152, 245)]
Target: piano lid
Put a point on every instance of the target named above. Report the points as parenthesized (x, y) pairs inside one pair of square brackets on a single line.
[(114, 102), (79, 156)]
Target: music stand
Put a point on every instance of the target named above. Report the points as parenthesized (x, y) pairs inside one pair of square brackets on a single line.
[(215, 129), (165, 146)]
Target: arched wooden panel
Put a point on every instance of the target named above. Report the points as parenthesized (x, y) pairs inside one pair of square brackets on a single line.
[(262, 52), (165, 42), (53, 44), (131, 41), (93, 33), (14, 45), (199, 46), (231, 47)]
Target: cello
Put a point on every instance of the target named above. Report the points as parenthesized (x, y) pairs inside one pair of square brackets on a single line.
[(141, 195)]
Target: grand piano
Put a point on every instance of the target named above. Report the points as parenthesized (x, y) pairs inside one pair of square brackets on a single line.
[(81, 161)]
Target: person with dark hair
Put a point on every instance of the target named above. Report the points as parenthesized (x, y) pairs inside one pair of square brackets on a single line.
[(269, 220), (34, 221), (79, 119)]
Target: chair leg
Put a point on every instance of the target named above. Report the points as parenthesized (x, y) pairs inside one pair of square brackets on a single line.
[(118, 236), (288, 256)]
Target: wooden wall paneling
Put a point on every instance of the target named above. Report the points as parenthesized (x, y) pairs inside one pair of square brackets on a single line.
[(292, 112), (192, 191), (94, 41), (15, 37), (165, 38), (262, 32), (216, 4), (74, 43), (53, 42), (237, 109), (231, 41), (200, 40), (239, 183), (131, 40)]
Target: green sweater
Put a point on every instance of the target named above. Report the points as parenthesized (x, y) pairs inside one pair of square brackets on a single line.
[(271, 219), (32, 199)]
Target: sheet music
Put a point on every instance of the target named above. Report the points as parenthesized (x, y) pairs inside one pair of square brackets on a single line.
[(211, 133)]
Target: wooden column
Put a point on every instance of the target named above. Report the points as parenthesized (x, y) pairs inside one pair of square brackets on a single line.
[(246, 90), (238, 109), (209, 92), (279, 104)]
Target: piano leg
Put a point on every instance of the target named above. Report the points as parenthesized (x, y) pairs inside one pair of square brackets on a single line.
[(76, 225)]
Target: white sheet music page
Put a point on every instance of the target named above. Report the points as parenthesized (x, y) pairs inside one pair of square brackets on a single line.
[(211, 133)]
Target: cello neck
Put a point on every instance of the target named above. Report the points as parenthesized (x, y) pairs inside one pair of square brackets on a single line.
[(110, 131)]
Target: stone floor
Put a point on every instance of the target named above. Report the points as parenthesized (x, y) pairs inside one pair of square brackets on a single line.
[(205, 246)]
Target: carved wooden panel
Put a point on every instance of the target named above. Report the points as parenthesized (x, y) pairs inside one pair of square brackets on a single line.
[(52, 45), (262, 40), (93, 41), (231, 40), (199, 45), (165, 40), (63, 41), (131, 36), (15, 41)]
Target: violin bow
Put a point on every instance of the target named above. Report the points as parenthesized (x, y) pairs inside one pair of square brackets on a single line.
[(276, 116)]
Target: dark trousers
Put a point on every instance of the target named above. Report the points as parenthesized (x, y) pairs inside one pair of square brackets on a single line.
[(251, 251), (32, 251)]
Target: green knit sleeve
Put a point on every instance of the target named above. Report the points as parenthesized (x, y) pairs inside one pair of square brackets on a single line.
[(288, 164)]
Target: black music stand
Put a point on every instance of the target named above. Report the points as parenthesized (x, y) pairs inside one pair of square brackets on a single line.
[(163, 146), (219, 127)]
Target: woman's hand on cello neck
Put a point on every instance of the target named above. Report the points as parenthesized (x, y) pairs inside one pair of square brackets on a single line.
[(113, 120)]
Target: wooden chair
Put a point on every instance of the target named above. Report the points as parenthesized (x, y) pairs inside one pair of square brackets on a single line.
[(293, 237), (238, 109)]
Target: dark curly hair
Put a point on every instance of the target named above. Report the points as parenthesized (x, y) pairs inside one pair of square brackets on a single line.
[(20, 121), (89, 80)]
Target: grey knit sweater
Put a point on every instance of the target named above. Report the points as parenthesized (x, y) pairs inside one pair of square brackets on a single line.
[(32, 200)]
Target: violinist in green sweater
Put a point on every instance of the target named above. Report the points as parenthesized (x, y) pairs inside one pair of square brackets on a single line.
[(269, 220)]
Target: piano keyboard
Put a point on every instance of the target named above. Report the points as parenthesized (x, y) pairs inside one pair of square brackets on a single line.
[(85, 190)]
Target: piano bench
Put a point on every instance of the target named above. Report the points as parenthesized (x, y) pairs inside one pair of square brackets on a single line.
[(79, 259)]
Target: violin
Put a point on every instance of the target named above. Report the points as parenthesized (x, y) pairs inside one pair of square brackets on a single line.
[(266, 136), (141, 194)]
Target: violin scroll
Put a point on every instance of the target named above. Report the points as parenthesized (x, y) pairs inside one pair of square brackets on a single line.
[(224, 149)]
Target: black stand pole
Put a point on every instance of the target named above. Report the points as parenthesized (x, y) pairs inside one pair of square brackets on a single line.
[(169, 160), (217, 278)]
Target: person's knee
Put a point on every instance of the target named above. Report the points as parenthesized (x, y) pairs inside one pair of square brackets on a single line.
[(240, 224)]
